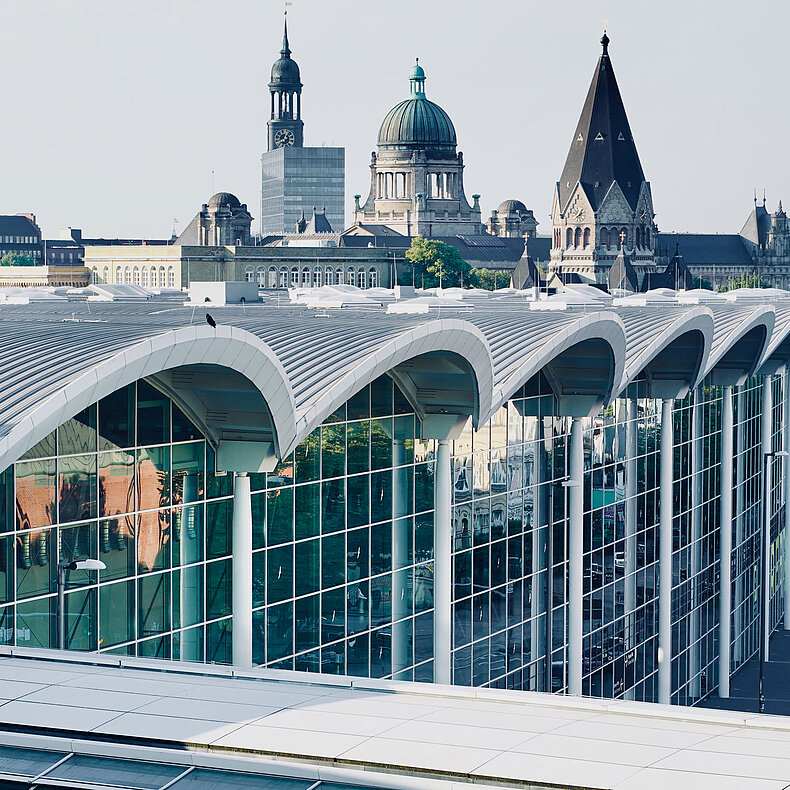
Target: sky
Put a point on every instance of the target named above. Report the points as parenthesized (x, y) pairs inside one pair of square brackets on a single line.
[(117, 113)]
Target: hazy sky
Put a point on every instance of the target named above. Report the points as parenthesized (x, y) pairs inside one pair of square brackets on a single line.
[(115, 113)]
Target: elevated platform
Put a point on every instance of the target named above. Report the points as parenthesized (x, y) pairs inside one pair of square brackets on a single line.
[(295, 731)]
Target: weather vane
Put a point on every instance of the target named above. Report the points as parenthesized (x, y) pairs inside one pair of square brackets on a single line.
[(605, 22), (285, 9)]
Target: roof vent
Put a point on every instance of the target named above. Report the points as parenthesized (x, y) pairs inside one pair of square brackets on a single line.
[(580, 139), (620, 136), (599, 136)]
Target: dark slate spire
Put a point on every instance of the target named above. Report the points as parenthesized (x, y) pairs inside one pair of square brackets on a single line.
[(603, 148), (286, 50)]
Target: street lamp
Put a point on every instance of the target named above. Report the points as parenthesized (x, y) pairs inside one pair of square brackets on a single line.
[(77, 565), (764, 534)]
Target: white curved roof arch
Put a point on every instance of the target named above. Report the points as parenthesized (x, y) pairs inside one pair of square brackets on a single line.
[(191, 348), (739, 346), (671, 353), (446, 338), (583, 360)]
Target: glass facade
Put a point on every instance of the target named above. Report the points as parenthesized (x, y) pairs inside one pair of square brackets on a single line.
[(296, 180), (344, 535)]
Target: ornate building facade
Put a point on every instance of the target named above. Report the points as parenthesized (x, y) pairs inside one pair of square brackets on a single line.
[(224, 220), (416, 175), (602, 201), (512, 219)]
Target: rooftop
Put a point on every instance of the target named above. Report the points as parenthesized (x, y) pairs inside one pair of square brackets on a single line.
[(363, 733)]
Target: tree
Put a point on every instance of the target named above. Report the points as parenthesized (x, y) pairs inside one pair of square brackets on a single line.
[(744, 281), (702, 282), (16, 259), (489, 279), (435, 263)]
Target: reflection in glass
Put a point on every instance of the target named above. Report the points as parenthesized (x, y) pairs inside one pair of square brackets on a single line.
[(77, 488), (35, 494)]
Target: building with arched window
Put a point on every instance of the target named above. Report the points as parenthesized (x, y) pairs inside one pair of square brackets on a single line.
[(404, 495)]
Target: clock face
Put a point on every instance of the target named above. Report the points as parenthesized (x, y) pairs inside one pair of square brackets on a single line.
[(580, 214), (284, 137)]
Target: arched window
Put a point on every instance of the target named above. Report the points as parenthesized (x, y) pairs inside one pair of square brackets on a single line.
[(361, 279), (153, 277), (171, 277), (162, 276), (145, 277), (106, 275), (647, 237), (318, 277), (261, 278), (118, 274), (249, 274), (330, 275), (283, 277), (373, 278), (136, 275), (127, 275), (95, 276), (294, 277), (577, 237), (569, 238), (586, 237), (272, 283), (350, 279), (305, 277), (603, 237), (339, 277)]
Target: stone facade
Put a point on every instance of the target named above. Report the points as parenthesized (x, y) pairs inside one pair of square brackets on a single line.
[(416, 175), (512, 219)]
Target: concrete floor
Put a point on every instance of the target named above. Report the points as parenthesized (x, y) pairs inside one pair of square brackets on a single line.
[(743, 686)]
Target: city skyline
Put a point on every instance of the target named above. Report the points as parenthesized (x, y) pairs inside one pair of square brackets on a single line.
[(124, 149)]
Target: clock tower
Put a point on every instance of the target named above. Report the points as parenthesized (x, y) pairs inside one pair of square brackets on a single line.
[(286, 129), (296, 178)]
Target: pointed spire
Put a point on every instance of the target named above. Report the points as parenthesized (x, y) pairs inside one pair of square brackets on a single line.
[(603, 149), (286, 50)]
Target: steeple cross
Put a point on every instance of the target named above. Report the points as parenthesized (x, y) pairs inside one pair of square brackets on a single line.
[(622, 238)]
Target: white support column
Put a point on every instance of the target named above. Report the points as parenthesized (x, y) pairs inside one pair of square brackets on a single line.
[(786, 491), (242, 571), (725, 543), (629, 598), (575, 557), (442, 574), (696, 536), (740, 473), (765, 435), (665, 555), (400, 555)]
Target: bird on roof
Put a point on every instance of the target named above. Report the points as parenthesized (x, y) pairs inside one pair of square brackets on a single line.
[(210, 321)]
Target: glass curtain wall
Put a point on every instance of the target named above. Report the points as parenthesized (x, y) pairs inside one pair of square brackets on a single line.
[(343, 553)]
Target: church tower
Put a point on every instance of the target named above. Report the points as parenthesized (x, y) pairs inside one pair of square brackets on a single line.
[(296, 178), (602, 201), (285, 124)]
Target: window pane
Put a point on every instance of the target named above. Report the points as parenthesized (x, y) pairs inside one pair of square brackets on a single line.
[(279, 516), (188, 472), (307, 567), (308, 459), (333, 451), (280, 574), (154, 604), (219, 528), (116, 482), (36, 557), (77, 488), (35, 493), (116, 419), (218, 589), (78, 435), (116, 545), (188, 596), (117, 613), (35, 623), (153, 478), (153, 540), (308, 500), (153, 415), (187, 534)]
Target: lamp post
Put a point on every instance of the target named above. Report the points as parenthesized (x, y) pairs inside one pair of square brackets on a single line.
[(765, 536), (79, 565)]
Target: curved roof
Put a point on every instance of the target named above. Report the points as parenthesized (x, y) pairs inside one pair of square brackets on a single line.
[(666, 344), (417, 122), (739, 340), (56, 368), (272, 374), (511, 207), (224, 199)]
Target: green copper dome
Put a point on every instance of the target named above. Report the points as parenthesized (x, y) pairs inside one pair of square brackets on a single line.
[(417, 122)]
